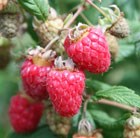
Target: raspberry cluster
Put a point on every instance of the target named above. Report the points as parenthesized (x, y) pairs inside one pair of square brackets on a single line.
[(46, 75)]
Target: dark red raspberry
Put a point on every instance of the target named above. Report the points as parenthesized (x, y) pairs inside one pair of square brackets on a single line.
[(24, 115)]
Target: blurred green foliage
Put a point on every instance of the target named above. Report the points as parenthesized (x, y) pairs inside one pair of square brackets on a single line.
[(126, 71)]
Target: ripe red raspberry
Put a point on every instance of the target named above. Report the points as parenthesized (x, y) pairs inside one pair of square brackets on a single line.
[(34, 73), (24, 115), (34, 79), (88, 48), (65, 88)]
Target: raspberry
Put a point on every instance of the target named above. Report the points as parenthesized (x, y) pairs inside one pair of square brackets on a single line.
[(88, 48), (113, 45), (49, 29), (65, 88), (34, 73), (58, 124), (24, 115), (120, 28), (9, 24), (132, 127)]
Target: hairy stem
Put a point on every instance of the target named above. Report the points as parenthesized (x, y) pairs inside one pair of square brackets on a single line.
[(85, 108), (79, 10), (119, 105), (51, 43)]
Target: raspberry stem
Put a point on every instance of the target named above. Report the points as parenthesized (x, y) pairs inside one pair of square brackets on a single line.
[(79, 10), (119, 105), (85, 106), (85, 109), (51, 43), (98, 9)]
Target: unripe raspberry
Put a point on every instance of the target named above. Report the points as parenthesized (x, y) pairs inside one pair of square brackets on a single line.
[(113, 45), (49, 29), (132, 127), (120, 28), (88, 48), (9, 24), (58, 124), (24, 114)]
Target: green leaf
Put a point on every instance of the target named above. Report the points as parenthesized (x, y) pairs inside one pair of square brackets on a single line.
[(94, 85), (125, 51), (38, 8), (120, 94), (107, 122), (41, 132)]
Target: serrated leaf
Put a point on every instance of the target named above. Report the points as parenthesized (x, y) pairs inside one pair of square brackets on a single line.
[(38, 8), (41, 132), (107, 122), (120, 94)]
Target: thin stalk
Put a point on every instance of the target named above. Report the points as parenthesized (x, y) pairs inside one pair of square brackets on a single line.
[(119, 105), (79, 10), (51, 43), (85, 108), (98, 9)]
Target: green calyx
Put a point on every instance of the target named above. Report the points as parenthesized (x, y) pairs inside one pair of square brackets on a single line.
[(113, 13)]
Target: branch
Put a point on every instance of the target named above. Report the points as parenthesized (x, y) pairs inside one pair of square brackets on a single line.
[(112, 103)]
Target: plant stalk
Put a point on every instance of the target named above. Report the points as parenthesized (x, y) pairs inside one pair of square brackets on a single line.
[(79, 10), (98, 9), (119, 105), (51, 42)]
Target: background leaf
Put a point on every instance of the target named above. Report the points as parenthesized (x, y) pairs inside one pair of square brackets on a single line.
[(107, 122), (38, 8), (94, 85), (120, 94)]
